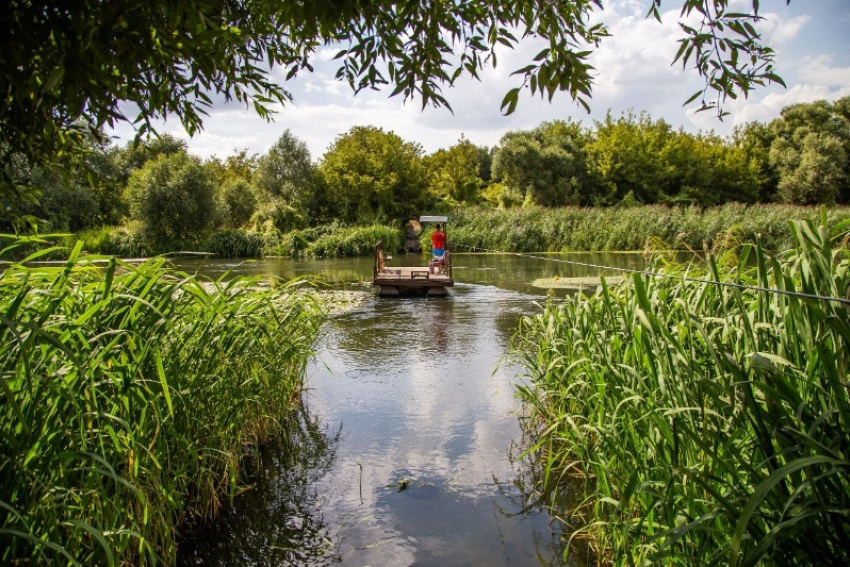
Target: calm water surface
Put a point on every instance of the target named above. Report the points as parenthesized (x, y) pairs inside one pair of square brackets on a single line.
[(405, 450)]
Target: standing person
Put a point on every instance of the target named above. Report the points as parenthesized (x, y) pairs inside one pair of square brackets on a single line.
[(438, 247), (438, 242)]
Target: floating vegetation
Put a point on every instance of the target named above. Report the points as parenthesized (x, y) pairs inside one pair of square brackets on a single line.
[(341, 301), (577, 283), (401, 483)]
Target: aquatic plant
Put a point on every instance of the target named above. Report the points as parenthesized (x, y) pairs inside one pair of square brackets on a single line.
[(599, 229), (356, 241), (130, 395), (710, 424), (235, 244)]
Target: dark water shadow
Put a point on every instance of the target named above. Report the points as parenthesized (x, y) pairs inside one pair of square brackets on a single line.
[(276, 521), (530, 491)]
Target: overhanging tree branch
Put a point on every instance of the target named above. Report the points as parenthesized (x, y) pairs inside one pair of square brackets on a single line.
[(66, 67)]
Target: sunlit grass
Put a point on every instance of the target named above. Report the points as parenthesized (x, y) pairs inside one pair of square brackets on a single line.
[(710, 425), (603, 229), (130, 394)]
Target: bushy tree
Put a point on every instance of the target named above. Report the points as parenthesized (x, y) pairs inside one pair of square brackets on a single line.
[(373, 175), (755, 139), (72, 199), (237, 201), (627, 156), (706, 170), (484, 156), (454, 174), (236, 166), (66, 204), (286, 171), (172, 196), (546, 165), (810, 152), (811, 171)]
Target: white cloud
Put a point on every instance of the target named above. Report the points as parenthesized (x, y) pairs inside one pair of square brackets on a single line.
[(819, 70), (777, 30), (772, 104)]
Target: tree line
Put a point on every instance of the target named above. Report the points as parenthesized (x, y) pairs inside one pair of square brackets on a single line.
[(370, 175)]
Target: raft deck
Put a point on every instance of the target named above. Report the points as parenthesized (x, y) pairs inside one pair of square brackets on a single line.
[(395, 279)]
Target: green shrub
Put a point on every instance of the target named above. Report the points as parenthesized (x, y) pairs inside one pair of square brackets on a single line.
[(172, 197), (356, 241), (235, 244), (123, 241), (237, 201)]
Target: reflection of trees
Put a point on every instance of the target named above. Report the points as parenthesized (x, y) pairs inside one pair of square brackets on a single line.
[(506, 324), (276, 521), (527, 496)]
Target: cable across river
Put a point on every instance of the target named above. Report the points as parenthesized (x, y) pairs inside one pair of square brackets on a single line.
[(650, 273)]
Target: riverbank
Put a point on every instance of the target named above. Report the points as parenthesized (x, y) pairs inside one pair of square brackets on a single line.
[(708, 424), (516, 230), (132, 395), (574, 229)]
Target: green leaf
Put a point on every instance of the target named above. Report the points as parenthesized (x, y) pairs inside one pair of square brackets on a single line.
[(509, 103)]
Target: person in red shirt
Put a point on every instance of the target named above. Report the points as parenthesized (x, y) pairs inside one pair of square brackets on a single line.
[(438, 247), (438, 242)]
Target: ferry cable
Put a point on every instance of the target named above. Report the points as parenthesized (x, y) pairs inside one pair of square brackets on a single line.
[(845, 301)]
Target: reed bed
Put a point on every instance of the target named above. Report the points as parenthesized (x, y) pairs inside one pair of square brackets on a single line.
[(615, 229), (131, 395), (356, 241), (235, 244), (329, 240), (710, 425)]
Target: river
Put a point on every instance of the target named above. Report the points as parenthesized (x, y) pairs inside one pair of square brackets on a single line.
[(406, 448)]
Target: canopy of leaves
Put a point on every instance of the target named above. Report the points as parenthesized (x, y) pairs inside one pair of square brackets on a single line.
[(810, 151), (67, 66), (237, 201), (642, 160), (172, 196), (287, 170), (373, 175), (455, 173), (546, 165)]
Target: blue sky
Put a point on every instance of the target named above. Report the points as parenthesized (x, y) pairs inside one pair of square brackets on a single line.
[(633, 72)]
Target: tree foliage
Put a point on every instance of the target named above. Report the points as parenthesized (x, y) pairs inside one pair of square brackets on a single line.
[(236, 202), (236, 166), (454, 174), (286, 171), (810, 152), (172, 196), (373, 175), (546, 165), (67, 67), (754, 139), (627, 156)]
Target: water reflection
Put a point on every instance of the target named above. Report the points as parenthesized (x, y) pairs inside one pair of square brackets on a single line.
[(277, 521), (404, 393), (502, 271)]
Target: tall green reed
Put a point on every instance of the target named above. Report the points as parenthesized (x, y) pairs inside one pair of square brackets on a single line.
[(588, 229), (711, 425), (356, 241), (129, 396)]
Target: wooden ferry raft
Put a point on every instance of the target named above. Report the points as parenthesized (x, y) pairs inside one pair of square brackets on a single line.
[(394, 280)]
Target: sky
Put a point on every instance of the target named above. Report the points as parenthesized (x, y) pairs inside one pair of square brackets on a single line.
[(633, 73)]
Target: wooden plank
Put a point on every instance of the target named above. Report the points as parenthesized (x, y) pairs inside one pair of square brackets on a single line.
[(410, 277)]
